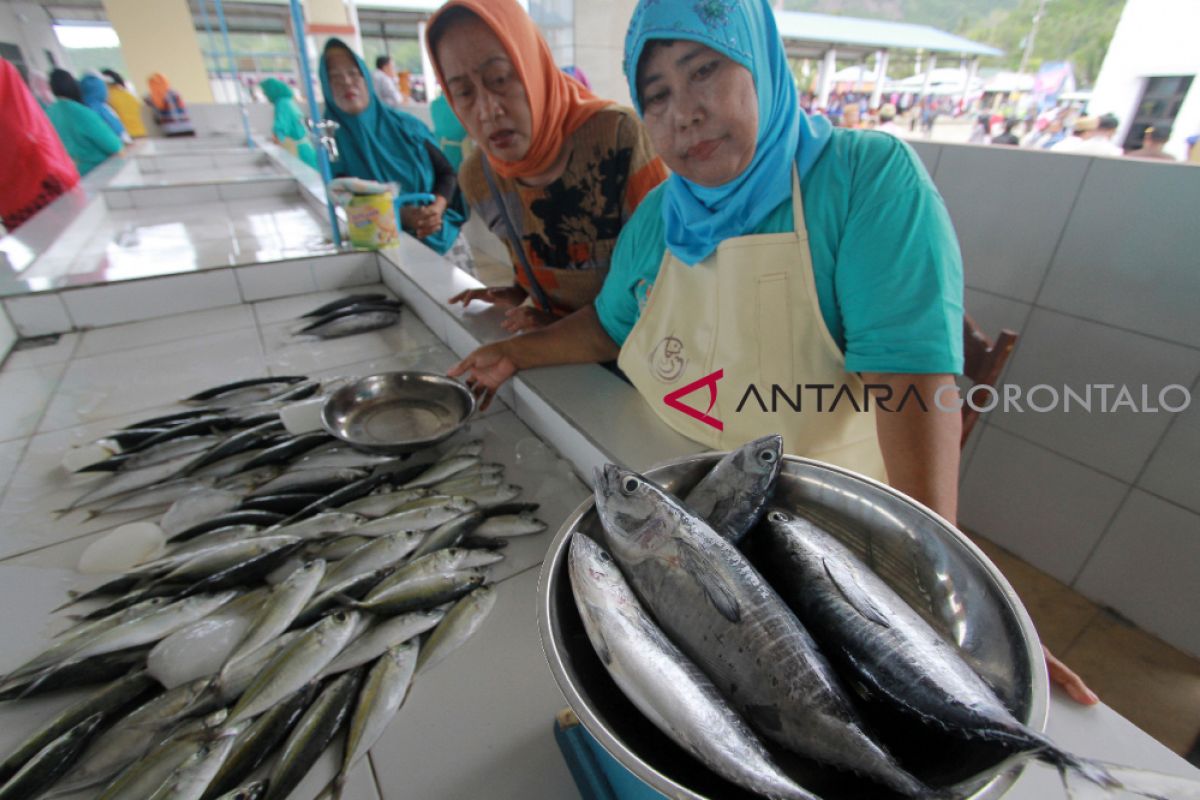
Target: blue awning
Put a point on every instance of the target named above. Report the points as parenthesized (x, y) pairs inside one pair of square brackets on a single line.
[(812, 34)]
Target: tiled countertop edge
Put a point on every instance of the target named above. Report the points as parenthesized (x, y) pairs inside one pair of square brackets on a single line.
[(586, 412)]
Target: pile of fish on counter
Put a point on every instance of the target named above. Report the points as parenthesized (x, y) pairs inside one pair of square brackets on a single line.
[(738, 629), (300, 588)]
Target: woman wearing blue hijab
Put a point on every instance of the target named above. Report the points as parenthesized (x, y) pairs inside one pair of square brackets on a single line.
[(95, 96), (384, 144)]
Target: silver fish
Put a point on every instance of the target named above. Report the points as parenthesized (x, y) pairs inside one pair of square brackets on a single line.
[(352, 324), (156, 496), (285, 602), (341, 456), (215, 560), (383, 551), (421, 591), (313, 734), (237, 677), (322, 524), (143, 777), (507, 526), (296, 665), (192, 777), (258, 741), (231, 476), (383, 636), (448, 534), (197, 506), (50, 762), (460, 624), (382, 694), (888, 646), (339, 547), (490, 496), (251, 791), (423, 518), (471, 447), (441, 470), (299, 477), (180, 552), (662, 682), (126, 483), (734, 494), (380, 505), (470, 484), (702, 591)]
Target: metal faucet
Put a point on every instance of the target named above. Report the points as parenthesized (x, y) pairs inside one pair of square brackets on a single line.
[(325, 130)]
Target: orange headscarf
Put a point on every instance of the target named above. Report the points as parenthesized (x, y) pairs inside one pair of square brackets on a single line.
[(158, 90), (559, 104)]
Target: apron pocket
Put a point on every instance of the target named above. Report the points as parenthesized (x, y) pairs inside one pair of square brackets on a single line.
[(775, 362)]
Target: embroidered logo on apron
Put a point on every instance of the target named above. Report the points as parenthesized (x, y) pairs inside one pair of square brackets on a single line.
[(667, 360)]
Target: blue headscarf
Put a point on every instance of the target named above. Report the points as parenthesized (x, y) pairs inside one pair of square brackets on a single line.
[(386, 144), (95, 96), (698, 218)]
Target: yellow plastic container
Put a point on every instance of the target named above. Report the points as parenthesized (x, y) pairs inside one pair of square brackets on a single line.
[(372, 221)]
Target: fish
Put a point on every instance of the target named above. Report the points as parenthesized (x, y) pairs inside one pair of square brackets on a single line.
[(235, 392), (337, 454), (361, 320), (665, 685), (348, 300), (148, 456), (313, 734), (171, 420), (287, 503), (442, 470), (77, 674), (470, 447), (284, 603), (419, 591), (289, 449), (49, 764), (382, 694), (296, 664), (381, 637), (351, 491), (448, 534), (199, 505), (460, 623), (259, 740), (70, 641), (469, 484), (336, 548), (733, 495), (108, 701), (190, 780), (251, 791), (240, 442), (421, 515), (337, 594), (702, 591), (509, 525), (489, 496), (888, 647), (383, 551), (126, 483), (229, 520), (237, 676), (211, 562), (321, 525), (320, 479), (380, 505), (143, 777)]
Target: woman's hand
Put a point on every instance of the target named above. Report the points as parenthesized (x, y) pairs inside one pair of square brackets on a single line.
[(486, 369), (422, 221), (499, 296), (526, 318), (1071, 683)]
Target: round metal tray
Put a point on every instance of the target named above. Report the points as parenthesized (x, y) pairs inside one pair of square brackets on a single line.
[(945, 577), (397, 412)]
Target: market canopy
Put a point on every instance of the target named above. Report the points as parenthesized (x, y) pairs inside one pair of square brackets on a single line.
[(808, 35)]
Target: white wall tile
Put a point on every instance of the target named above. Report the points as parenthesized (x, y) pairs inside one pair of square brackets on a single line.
[(250, 189), (131, 301), (8, 334), (431, 313), (56, 352), (176, 327), (1129, 254), (24, 396), (1147, 568), (38, 314), (117, 199), (279, 279), (1174, 468), (344, 269), (1058, 350), (1009, 207), (1047, 509), (159, 197)]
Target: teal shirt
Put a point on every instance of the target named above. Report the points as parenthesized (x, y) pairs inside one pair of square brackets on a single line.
[(886, 262), (86, 136)]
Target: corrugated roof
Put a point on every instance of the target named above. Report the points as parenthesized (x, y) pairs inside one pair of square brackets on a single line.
[(874, 34)]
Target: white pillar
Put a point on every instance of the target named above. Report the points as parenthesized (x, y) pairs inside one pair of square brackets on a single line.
[(929, 74), (858, 76), (825, 79), (881, 65), (972, 69), (432, 90)]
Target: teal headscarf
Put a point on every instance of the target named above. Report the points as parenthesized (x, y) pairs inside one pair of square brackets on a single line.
[(698, 218), (289, 121), (95, 96), (385, 144)]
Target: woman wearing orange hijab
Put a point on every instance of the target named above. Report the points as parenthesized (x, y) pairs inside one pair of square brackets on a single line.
[(169, 111), (558, 171)]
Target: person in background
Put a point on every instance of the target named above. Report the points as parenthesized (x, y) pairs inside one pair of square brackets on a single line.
[(850, 116), (128, 108), (289, 129), (386, 87), (450, 133), (95, 96), (1008, 138), (557, 172), (384, 144), (36, 167), (169, 111), (88, 139), (1153, 141), (1193, 149), (1093, 136), (887, 120)]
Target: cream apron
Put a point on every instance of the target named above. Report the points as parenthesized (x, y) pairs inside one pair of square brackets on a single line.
[(750, 309)]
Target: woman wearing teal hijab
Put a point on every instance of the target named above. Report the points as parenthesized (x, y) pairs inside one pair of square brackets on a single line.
[(289, 122), (384, 144), (95, 96)]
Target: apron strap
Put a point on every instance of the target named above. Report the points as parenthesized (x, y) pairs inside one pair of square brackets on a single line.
[(539, 293)]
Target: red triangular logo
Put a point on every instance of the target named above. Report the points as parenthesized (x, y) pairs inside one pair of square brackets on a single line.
[(709, 380)]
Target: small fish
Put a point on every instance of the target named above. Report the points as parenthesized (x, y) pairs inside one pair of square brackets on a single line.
[(240, 442), (490, 496), (509, 525), (448, 534), (342, 455), (127, 483), (71, 641), (285, 602), (228, 520), (348, 300), (189, 781), (236, 392), (172, 420), (384, 551), (421, 591), (337, 594), (143, 777), (259, 740), (422, 515), (77, 674), (196, 506), (289, 449), (459, 624), (49, 764), (442, 470), (664, 684), (322, 525), (287, 503), (251, 791), (150, 456), (380, 505), (382, 694), (469, 484), (734, 494), (237, 677), (320, 479), (360, 320), (383, 636), (313, 734)]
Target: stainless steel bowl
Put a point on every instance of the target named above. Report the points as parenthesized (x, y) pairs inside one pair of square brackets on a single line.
[(925, 559), (397, 412)]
